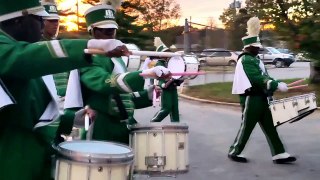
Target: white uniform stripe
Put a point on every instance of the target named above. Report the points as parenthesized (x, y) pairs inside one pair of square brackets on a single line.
[(136, 94), (57, 48), (121, 83), (242, 125)]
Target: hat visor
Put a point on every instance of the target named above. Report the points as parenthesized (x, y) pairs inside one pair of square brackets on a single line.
[(256, 45), (51, 17), (42, 13), (259, 45), (107, 26)]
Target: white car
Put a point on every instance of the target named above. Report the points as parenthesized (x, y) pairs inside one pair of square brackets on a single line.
[(270, 55), (218, 57)]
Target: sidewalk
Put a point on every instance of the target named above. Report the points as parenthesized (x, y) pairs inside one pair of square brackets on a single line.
[(215, 102)]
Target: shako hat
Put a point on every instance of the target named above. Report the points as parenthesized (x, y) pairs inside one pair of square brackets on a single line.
[(102, 15), (51, 8), (253, 30), (12, 9), (160, 46)]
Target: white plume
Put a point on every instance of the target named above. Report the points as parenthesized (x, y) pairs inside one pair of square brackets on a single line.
[(253, 26), (114, 3), (157, 42)]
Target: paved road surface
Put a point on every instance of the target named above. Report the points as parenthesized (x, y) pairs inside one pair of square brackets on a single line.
[(213, 129)]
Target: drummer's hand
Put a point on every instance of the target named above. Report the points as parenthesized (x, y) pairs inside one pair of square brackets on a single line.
[(282, 87), (119, 51), (160, 71), (79, 117), (104, 44)]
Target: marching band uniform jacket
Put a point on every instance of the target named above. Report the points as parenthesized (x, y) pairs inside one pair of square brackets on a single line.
[(169, 98), (100, 84), (24, 147)]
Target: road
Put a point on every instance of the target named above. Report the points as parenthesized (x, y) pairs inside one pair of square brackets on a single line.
[(213, 129), (296, 70)]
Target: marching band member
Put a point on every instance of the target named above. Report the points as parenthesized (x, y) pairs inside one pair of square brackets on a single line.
[(28, 95), (107, 87), (169, 95), (254, 85)]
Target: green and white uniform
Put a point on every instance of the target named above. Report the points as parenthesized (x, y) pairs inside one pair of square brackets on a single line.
[(169, 99), (24, 147), (100, 84), (254, 85)]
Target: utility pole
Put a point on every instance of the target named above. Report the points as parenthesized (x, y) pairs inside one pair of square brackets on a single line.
[(78, 14), (186, 35)]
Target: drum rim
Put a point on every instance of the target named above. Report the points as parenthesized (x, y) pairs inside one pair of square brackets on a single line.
[(160, 126), (312, 94), (94, 157)]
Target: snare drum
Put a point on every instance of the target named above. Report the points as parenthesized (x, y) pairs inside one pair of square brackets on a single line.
[(283, 110), (292, 109), (187, 63), (160, 148), (93, 160), (133, 63)]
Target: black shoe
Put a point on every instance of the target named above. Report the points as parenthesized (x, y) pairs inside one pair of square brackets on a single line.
[(287, 160), (237, 158)]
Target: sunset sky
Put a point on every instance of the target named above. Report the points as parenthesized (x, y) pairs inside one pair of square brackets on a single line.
[(201, 10)]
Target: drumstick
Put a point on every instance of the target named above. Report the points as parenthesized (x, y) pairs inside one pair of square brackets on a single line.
[(297, 87), (86, 122), (296, 82), (176, 74), (137, 53)]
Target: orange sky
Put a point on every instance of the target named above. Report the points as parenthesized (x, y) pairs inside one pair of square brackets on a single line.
[(201, 10)]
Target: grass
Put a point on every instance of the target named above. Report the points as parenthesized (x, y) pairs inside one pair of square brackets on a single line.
[(222, 92)]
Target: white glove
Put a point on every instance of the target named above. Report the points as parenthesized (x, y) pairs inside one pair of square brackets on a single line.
[(158, 70), (104, 44), (282, 87), (79, 118)]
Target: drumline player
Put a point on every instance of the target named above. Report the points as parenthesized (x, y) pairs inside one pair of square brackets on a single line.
[(28, 95), (107, 87), (169, 93), (253, 85)]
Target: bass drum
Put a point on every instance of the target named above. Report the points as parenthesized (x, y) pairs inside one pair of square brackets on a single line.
[(187, 63)]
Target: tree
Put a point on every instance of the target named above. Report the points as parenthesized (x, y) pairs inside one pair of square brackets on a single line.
[(235, 24), (161, 14), (295, 21), (129, 31)]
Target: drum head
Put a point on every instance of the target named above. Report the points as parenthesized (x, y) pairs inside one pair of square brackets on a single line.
[(176, 64), (95, 151)]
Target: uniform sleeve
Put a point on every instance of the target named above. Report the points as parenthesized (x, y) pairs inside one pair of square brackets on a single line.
[(161, 82), (98, 79), (30, 60), (141, 99), (256, 77)]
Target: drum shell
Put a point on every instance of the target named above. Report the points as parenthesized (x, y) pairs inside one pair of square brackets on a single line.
[(293, 108), (72, 165), (168, 143)]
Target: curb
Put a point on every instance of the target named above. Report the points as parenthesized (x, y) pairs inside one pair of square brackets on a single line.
[(208, 101), (215, 102)]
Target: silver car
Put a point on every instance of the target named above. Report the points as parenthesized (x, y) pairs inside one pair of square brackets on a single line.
[(218, 57)]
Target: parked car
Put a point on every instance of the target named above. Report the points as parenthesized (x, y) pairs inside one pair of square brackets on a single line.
[(218, 57), (270, 55)]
